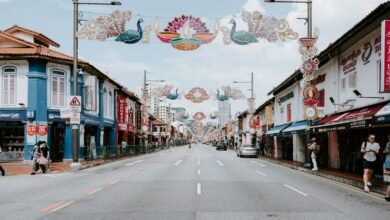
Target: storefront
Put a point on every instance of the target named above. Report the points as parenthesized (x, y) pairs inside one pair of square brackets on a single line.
[(89, 136), (278, 141), (12, 138), (12, 135), (345, 132), (56, 139), (296, 136)]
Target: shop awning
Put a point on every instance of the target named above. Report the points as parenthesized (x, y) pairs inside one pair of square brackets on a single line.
[(383, 115), (358, 118), (298, 127), (277, 129)]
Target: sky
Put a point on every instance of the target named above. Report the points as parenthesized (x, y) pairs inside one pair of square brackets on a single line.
[(211, 66)]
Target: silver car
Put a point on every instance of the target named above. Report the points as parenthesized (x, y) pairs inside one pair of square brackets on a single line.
[(246, 150)]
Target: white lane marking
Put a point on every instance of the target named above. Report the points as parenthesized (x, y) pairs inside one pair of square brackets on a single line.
[(260, 164), (292, 188), (198, 162), (138, 161), (56, 175), (113, 182), (178, 162), (62, 206), (261, 173), (94, 191), (198, 171), (220, 163), (198, 189)]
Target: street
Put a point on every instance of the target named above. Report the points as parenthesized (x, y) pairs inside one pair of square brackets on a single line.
[(182, 183)]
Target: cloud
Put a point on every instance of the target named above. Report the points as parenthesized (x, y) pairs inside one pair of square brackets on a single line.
[(253, 5)]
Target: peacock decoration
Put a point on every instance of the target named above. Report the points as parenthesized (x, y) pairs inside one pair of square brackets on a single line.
[(114, 25), (259, 26), (221, 97), (173, 96)]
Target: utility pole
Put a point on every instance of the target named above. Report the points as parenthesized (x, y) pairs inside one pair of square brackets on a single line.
[(75, 128)]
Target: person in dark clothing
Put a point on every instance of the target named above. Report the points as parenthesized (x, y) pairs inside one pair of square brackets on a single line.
[(44, 156), (2, 170)]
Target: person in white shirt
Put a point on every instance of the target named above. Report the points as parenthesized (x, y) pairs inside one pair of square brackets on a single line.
[(370, 149)]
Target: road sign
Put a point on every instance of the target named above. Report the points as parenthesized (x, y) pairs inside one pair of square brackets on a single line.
[(75, 118), (74, 103), (65, 113)]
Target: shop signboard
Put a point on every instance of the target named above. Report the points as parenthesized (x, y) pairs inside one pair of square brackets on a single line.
[(385, 56), (122, 126), (13, 115)]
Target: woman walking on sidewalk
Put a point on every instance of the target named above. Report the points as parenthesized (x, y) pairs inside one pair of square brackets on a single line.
[(370, 149), (315, 148), (2, 170)]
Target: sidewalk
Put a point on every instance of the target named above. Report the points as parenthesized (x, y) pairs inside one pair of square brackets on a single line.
[(332, 174)]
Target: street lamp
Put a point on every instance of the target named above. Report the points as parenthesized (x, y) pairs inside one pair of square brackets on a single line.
[(309, 19), (75, 127)]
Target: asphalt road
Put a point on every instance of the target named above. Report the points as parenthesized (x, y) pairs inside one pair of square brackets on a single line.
[(182, 183)]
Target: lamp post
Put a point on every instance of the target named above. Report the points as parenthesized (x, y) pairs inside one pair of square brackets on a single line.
[(75, 127), (252, 99), (309, 18), (145, 94), (309, 21)]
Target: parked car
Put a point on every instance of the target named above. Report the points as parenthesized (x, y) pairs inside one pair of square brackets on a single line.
[(221, 145), (246, 150)]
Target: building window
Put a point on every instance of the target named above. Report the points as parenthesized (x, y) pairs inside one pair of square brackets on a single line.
[(57, 88), (352, 80), (343, 84), (90, 92), (321, 98), (289, 112), (110, 104), (9, 86), (105, 102)]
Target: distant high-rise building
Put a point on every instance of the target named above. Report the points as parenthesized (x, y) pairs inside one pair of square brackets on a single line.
[(224, 109), (178, 114), (164, 111)]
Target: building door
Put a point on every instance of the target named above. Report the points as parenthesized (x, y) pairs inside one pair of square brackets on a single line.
[(57, 142)]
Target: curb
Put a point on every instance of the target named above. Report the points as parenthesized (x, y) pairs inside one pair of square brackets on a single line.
[(378, 191)]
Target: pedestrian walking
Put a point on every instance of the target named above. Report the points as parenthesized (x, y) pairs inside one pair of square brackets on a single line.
[(43, 158), (315, 149), (370, 149), (386, 168), (34, 158), (2, 170)]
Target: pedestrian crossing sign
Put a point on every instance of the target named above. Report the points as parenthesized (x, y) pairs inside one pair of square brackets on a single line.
[(74, 103)]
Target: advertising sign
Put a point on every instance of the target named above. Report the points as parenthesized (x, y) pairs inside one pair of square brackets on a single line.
[(75, 119), (42, 130), (385, 56), (121, 113), (31, 130)]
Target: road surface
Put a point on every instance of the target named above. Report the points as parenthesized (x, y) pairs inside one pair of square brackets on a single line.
[(181, 183)]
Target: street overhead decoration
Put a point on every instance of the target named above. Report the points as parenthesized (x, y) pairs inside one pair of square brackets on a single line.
[(259, 26), (197, 95), (171, 33), (113, 25), (310, 64), (199, 116), (187, 32)]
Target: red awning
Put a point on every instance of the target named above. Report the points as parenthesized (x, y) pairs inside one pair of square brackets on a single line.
[(360, 114)]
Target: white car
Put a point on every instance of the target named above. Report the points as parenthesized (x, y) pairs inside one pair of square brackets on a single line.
[(246, 150)]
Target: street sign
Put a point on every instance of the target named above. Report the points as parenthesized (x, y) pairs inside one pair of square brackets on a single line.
[(74, 103), (65, 113), (75, 118)]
